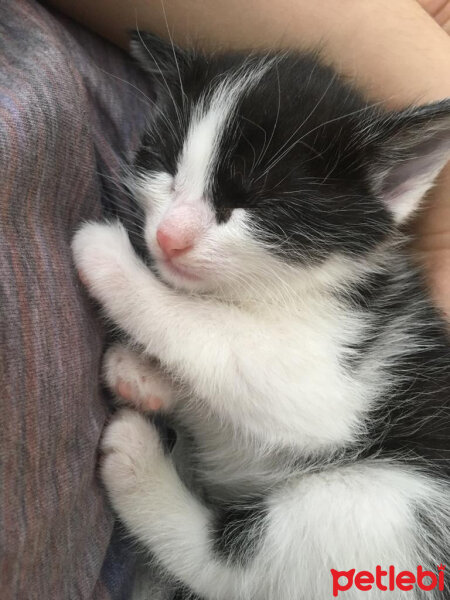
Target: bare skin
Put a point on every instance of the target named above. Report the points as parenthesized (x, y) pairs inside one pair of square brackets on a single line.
[(397, 52), (439, 10)]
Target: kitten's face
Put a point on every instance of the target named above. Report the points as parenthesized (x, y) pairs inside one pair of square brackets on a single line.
[(258, 171)]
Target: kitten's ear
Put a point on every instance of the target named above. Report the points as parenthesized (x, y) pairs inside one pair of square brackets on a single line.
[(165, 61), (411, 147)]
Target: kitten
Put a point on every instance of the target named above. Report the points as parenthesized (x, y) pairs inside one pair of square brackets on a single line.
[(299, 357)]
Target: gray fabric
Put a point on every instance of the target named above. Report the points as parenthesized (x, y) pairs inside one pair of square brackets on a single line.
[(66, 117)]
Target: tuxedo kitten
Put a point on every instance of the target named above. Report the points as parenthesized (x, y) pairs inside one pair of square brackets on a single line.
[(283, 330)]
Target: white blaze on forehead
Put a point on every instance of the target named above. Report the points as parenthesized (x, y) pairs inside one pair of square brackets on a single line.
[(209, 120), (199, 148)]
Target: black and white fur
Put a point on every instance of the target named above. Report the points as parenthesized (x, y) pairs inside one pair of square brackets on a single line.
[(295, 342)]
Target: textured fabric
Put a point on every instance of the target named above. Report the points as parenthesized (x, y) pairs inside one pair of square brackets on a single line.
[(66, 118)]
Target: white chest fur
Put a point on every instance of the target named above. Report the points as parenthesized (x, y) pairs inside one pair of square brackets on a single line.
[(291, 388)]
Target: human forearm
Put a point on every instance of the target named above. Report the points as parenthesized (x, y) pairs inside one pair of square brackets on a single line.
[(394, 50)]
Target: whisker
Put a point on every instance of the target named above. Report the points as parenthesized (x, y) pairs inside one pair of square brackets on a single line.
[(276, 160), (265, 148), (149, 102), (173, 51), (162, 76)]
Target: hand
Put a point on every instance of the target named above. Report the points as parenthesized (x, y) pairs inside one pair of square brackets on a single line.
[(432, 230), (439, 10), (432, 226)]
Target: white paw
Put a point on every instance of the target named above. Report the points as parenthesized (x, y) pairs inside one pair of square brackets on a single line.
[(132, 453), (102, 253), (137, 379)]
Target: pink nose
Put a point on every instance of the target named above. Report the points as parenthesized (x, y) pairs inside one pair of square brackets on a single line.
[(173, 243)]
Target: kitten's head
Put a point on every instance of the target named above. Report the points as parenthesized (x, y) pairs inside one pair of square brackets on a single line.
[(257, 169)]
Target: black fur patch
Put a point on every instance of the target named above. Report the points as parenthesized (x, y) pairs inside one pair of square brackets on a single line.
[(435, 538), (185, 594), (237, 530), (412, 420), (298, 165)]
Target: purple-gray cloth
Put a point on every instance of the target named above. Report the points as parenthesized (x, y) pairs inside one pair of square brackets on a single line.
[(72, 109)]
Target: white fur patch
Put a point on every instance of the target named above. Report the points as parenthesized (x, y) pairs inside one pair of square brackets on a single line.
[(210, 118), (343, 518)]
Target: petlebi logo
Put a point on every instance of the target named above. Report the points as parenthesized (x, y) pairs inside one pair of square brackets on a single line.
[(388, 579)]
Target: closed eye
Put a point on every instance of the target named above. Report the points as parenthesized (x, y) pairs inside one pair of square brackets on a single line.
[(223, 213)]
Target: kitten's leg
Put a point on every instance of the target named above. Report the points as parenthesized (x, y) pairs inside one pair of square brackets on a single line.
[(137, 379), (221, 352), (148, 495), (347, 519), (365, 516)]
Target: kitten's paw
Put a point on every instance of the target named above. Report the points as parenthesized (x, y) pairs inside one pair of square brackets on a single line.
[(132, 453), (102, 254), (136, 379)]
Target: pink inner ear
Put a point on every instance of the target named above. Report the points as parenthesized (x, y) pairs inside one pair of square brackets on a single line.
[(405, 198), (407, 181)]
